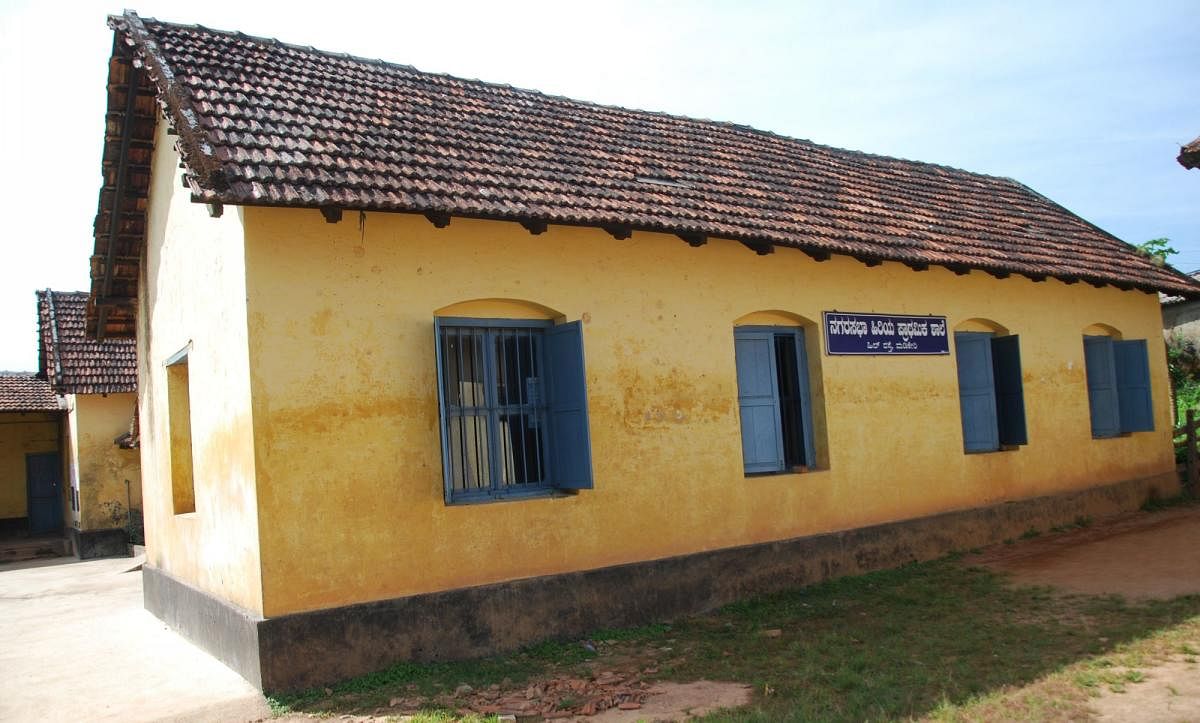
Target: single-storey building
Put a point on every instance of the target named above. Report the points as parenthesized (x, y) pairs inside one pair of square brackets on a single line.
[(431, 368), (31, 490), (98, 382), (1181, 316)]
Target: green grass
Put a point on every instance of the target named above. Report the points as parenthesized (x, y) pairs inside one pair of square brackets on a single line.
[(933, 640)]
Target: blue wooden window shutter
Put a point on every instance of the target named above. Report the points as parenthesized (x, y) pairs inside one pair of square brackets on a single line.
[(447, 488), (1132, 366), (810, 456), (1010, 392), (976, 391), (1102, 386), (570, 441), (758, 401)]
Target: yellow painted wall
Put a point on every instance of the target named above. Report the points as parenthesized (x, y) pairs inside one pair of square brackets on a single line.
[(22, 434), (347, 446), (101, 467), (194, 280)]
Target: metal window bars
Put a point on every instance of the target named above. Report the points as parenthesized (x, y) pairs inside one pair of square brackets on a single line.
[(495, 412)]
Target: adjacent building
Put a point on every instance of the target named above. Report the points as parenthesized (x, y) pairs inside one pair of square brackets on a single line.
[(431, 368), (98, 383), (31, 490)]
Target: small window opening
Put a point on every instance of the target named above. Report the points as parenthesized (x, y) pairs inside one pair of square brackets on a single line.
[(179, 422)]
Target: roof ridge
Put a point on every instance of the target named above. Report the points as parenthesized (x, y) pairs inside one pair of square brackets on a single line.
[(194, 146), (730, 125), (54, 335)]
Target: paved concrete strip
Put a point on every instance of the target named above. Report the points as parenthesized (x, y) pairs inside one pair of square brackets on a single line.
[(76, 644)]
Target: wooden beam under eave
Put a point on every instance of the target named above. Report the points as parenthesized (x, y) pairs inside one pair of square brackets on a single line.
[(959, 269), (620, 233), (215, 210), (1068, 280), (332, 214), (998, 274), (817, 254), (695, 240), (869, 262), (111, 301), (1035, 278), (439, 219), (534, 227), (916, 266), (119, 191), (762, 249)]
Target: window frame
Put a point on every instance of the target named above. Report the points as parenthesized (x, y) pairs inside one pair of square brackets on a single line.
[(804, 387), (496, 491), (565, 449), (1114, 350), (180, 442), (1009, 427)]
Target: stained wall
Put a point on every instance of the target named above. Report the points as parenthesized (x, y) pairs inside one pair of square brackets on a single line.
[(193, 278), (100, 468), (345, 413)]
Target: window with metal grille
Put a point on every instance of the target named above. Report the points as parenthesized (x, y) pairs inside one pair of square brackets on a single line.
[(513, 408)]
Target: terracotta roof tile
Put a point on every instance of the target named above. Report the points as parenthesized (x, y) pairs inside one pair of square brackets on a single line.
[(69, 360), (261, 122), (1189, 155), (24, 392)]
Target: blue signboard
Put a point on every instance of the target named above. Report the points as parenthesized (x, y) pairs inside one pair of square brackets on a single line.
[(884, 334)]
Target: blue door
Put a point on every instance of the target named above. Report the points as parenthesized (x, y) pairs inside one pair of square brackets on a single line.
[(45, 502)]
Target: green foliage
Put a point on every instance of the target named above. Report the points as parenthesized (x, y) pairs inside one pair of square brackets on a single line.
[(1183, 366), (1159, 249)]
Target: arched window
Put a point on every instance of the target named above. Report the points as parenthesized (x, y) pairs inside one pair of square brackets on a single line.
[(991, 396), (775, 399), (513, 401), (1118, 382)]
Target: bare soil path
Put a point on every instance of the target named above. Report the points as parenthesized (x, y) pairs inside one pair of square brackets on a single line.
[(1144, 556)]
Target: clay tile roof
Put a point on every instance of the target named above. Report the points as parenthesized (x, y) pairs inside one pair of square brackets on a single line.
[(261, 122), (1189, 155), (70, 361), (24, 392)]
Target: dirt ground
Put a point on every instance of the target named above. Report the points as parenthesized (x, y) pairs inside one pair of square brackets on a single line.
[(1144, 556)]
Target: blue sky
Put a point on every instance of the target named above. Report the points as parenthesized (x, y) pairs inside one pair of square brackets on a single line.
[(1085, 102)]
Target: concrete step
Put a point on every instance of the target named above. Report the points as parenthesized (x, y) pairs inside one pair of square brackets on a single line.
[(31, 548)]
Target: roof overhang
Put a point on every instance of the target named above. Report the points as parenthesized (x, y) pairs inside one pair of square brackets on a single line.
[(1189, 155)]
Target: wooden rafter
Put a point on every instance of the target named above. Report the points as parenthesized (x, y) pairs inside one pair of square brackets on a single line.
[(114, 214)]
